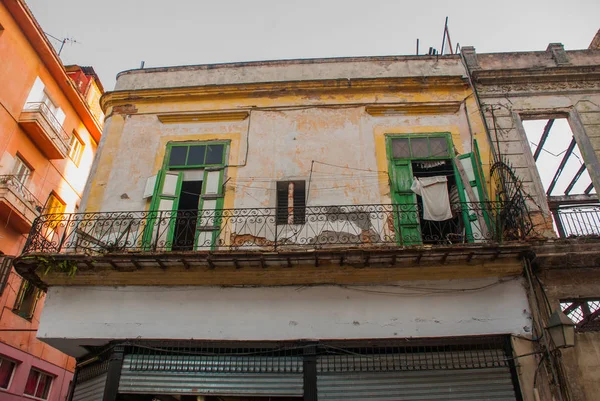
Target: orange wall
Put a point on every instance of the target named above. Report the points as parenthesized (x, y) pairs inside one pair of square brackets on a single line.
[(18, 70)]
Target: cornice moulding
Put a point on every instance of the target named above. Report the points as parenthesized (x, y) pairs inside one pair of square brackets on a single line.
[(174, 118), (176, 94), (413, 108)]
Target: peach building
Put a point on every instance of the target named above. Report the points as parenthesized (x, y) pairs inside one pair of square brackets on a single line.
[(50, 126)]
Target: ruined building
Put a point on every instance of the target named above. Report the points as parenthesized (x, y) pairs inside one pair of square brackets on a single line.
[(334, 229)]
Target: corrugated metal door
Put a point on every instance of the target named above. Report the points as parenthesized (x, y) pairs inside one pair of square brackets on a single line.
[(90, 390), (433, 376), (431, 385), (205, 375)]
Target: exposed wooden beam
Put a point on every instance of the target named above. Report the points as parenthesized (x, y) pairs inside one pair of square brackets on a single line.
[(540, 145), (566, 200), (589, 188), (563, 162), (575, 179)]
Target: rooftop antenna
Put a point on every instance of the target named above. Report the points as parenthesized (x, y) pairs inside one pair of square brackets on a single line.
[(417, 46), (446, 35), (62, 41)]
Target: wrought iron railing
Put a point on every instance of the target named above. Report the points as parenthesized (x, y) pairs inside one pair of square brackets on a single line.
[(578, 221), (44, 110), (247, 229), (12, 182)]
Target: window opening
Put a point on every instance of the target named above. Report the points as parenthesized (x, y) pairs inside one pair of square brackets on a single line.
[(26, 301), (446, 231), (7, 369), (76, 148), (38, 384), (584, 312), (565, 179), (187, 216), (291, 202)]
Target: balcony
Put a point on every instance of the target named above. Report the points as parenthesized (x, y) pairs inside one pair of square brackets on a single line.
[(581, 221), (45, 130), (325, 244), (18, 206)]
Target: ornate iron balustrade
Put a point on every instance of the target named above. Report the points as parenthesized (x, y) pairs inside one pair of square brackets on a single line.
[(578, 221), (261, 229), (13, 183), (44, 110)]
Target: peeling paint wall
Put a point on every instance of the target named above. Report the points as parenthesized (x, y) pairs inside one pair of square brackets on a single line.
[(284, 313), (285, 132)]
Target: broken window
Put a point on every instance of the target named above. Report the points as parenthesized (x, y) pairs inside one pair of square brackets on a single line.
[(291, 202), (584, 312)]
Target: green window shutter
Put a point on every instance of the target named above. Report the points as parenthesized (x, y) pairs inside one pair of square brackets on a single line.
[(406, 214), (162, 216), (476, 213), (211, 205)]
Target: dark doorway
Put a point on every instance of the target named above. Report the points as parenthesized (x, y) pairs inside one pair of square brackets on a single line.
[(187, 216), (447, 231)]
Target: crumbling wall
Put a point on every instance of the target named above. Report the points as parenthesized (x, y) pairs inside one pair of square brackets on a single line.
[(513, 87)]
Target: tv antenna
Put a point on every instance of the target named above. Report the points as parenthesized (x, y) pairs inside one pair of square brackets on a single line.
[(62, 41)]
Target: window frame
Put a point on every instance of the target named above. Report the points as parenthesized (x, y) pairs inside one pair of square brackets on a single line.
[(77, 145), (40, 374), (426, 135), (12, 373), (20, 163), (36, 294), (189, 145)]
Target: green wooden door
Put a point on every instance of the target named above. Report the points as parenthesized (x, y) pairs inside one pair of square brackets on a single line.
[(405, 204), (476, 213), (160, 224)]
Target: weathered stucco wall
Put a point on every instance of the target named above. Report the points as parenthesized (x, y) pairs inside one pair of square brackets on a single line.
[(286, 130), (82, 315), (289, 70)]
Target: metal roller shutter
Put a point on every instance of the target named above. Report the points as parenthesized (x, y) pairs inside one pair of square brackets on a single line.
[(91, 390), (90, 383), (467, 374), (430, 385), (206, 375)]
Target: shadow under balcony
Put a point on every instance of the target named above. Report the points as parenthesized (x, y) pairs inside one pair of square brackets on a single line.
[(18, 207), (45, 130), (320, 245)]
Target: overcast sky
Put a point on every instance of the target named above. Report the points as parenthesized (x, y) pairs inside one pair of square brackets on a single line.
[(116, 35)]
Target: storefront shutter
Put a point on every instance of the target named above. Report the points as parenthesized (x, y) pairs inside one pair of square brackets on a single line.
[(480, 375), (208, 375)]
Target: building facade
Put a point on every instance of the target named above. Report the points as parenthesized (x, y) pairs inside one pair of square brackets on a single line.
[(49, 131), (330, 229)]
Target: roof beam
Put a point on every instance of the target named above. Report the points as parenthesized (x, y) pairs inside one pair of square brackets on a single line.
[(540, 145), (575, 179), (589, 188), (563, 162)]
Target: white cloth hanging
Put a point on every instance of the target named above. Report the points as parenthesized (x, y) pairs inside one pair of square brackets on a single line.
[(436, 202)]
